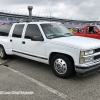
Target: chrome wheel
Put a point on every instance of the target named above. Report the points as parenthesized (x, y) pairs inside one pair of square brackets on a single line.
[(1, 52), (60, 66)]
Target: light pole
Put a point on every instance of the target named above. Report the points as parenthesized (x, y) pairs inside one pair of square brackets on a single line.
[(30, 13)]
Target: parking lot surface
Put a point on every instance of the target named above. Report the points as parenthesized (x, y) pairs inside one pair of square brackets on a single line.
[(22, 74)]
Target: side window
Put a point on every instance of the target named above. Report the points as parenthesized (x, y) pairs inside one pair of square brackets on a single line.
[(4, 29), (95, 30), (18, 30), (92, 30), (87, 30), (32, 30)]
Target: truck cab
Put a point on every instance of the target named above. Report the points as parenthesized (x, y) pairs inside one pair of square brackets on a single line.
[(90, 31)]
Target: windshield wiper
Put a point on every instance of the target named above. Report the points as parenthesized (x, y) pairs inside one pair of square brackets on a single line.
[(52, 35), (56, 36), (69, 34)]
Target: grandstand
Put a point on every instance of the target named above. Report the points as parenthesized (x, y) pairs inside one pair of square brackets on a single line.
[(12, 17)]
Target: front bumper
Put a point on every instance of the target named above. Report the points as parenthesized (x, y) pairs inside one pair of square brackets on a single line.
[(88, 68)]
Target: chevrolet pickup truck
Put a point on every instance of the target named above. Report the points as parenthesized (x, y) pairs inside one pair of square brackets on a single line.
[(90, 31), (51, 43)]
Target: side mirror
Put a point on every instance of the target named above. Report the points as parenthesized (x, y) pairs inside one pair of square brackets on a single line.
[(98, 33), (37, 38)]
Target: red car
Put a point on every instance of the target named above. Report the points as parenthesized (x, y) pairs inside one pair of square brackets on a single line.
[(89, 31)]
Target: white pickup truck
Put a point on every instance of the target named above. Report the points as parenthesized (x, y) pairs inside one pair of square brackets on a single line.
[(53, 44)]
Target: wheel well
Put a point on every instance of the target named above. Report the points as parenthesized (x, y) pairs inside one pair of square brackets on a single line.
[(55, 53), (1, 45)]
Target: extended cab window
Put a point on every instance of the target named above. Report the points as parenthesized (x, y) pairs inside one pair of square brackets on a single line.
[(18, 30), (32, 30), (4, 29)]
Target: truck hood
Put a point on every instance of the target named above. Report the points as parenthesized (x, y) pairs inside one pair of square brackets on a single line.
[(78, 42)]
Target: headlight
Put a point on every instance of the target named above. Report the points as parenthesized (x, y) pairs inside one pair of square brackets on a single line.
[(83, 60), (84, 53)]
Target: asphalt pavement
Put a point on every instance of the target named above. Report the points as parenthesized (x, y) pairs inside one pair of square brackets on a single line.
[(21, 74)]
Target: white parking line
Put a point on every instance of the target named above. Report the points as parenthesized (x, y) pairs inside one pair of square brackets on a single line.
[(39, 83)]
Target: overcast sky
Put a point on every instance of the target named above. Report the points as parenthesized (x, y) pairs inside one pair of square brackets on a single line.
[(71, 9)]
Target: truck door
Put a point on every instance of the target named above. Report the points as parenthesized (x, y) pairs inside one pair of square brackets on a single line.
[(97, 35), (16, 39), (30, 47), (91, 32)]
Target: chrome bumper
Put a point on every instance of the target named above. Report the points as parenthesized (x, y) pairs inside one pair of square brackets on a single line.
[(88, 68)]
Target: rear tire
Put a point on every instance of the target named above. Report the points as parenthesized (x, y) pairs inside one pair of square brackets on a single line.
[(3, 54), (62, 66)]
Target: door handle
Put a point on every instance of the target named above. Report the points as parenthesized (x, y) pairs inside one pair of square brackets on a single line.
[(23, 42), (10, 40)]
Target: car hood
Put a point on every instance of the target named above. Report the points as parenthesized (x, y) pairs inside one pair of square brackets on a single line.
[(78, 42)]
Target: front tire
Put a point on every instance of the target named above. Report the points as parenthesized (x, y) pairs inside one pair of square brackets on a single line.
[(62, 66), (3, 54)]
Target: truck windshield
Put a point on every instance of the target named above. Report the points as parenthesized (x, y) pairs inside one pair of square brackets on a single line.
[(55, 30)]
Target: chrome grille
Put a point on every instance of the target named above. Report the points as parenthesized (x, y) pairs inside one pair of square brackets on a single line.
[(97, 50), (97, 57)]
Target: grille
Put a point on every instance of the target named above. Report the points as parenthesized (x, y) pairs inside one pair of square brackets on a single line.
[(97, 57), (97, 50)]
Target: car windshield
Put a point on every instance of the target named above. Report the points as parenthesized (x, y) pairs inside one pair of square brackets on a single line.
[(55, 30)]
